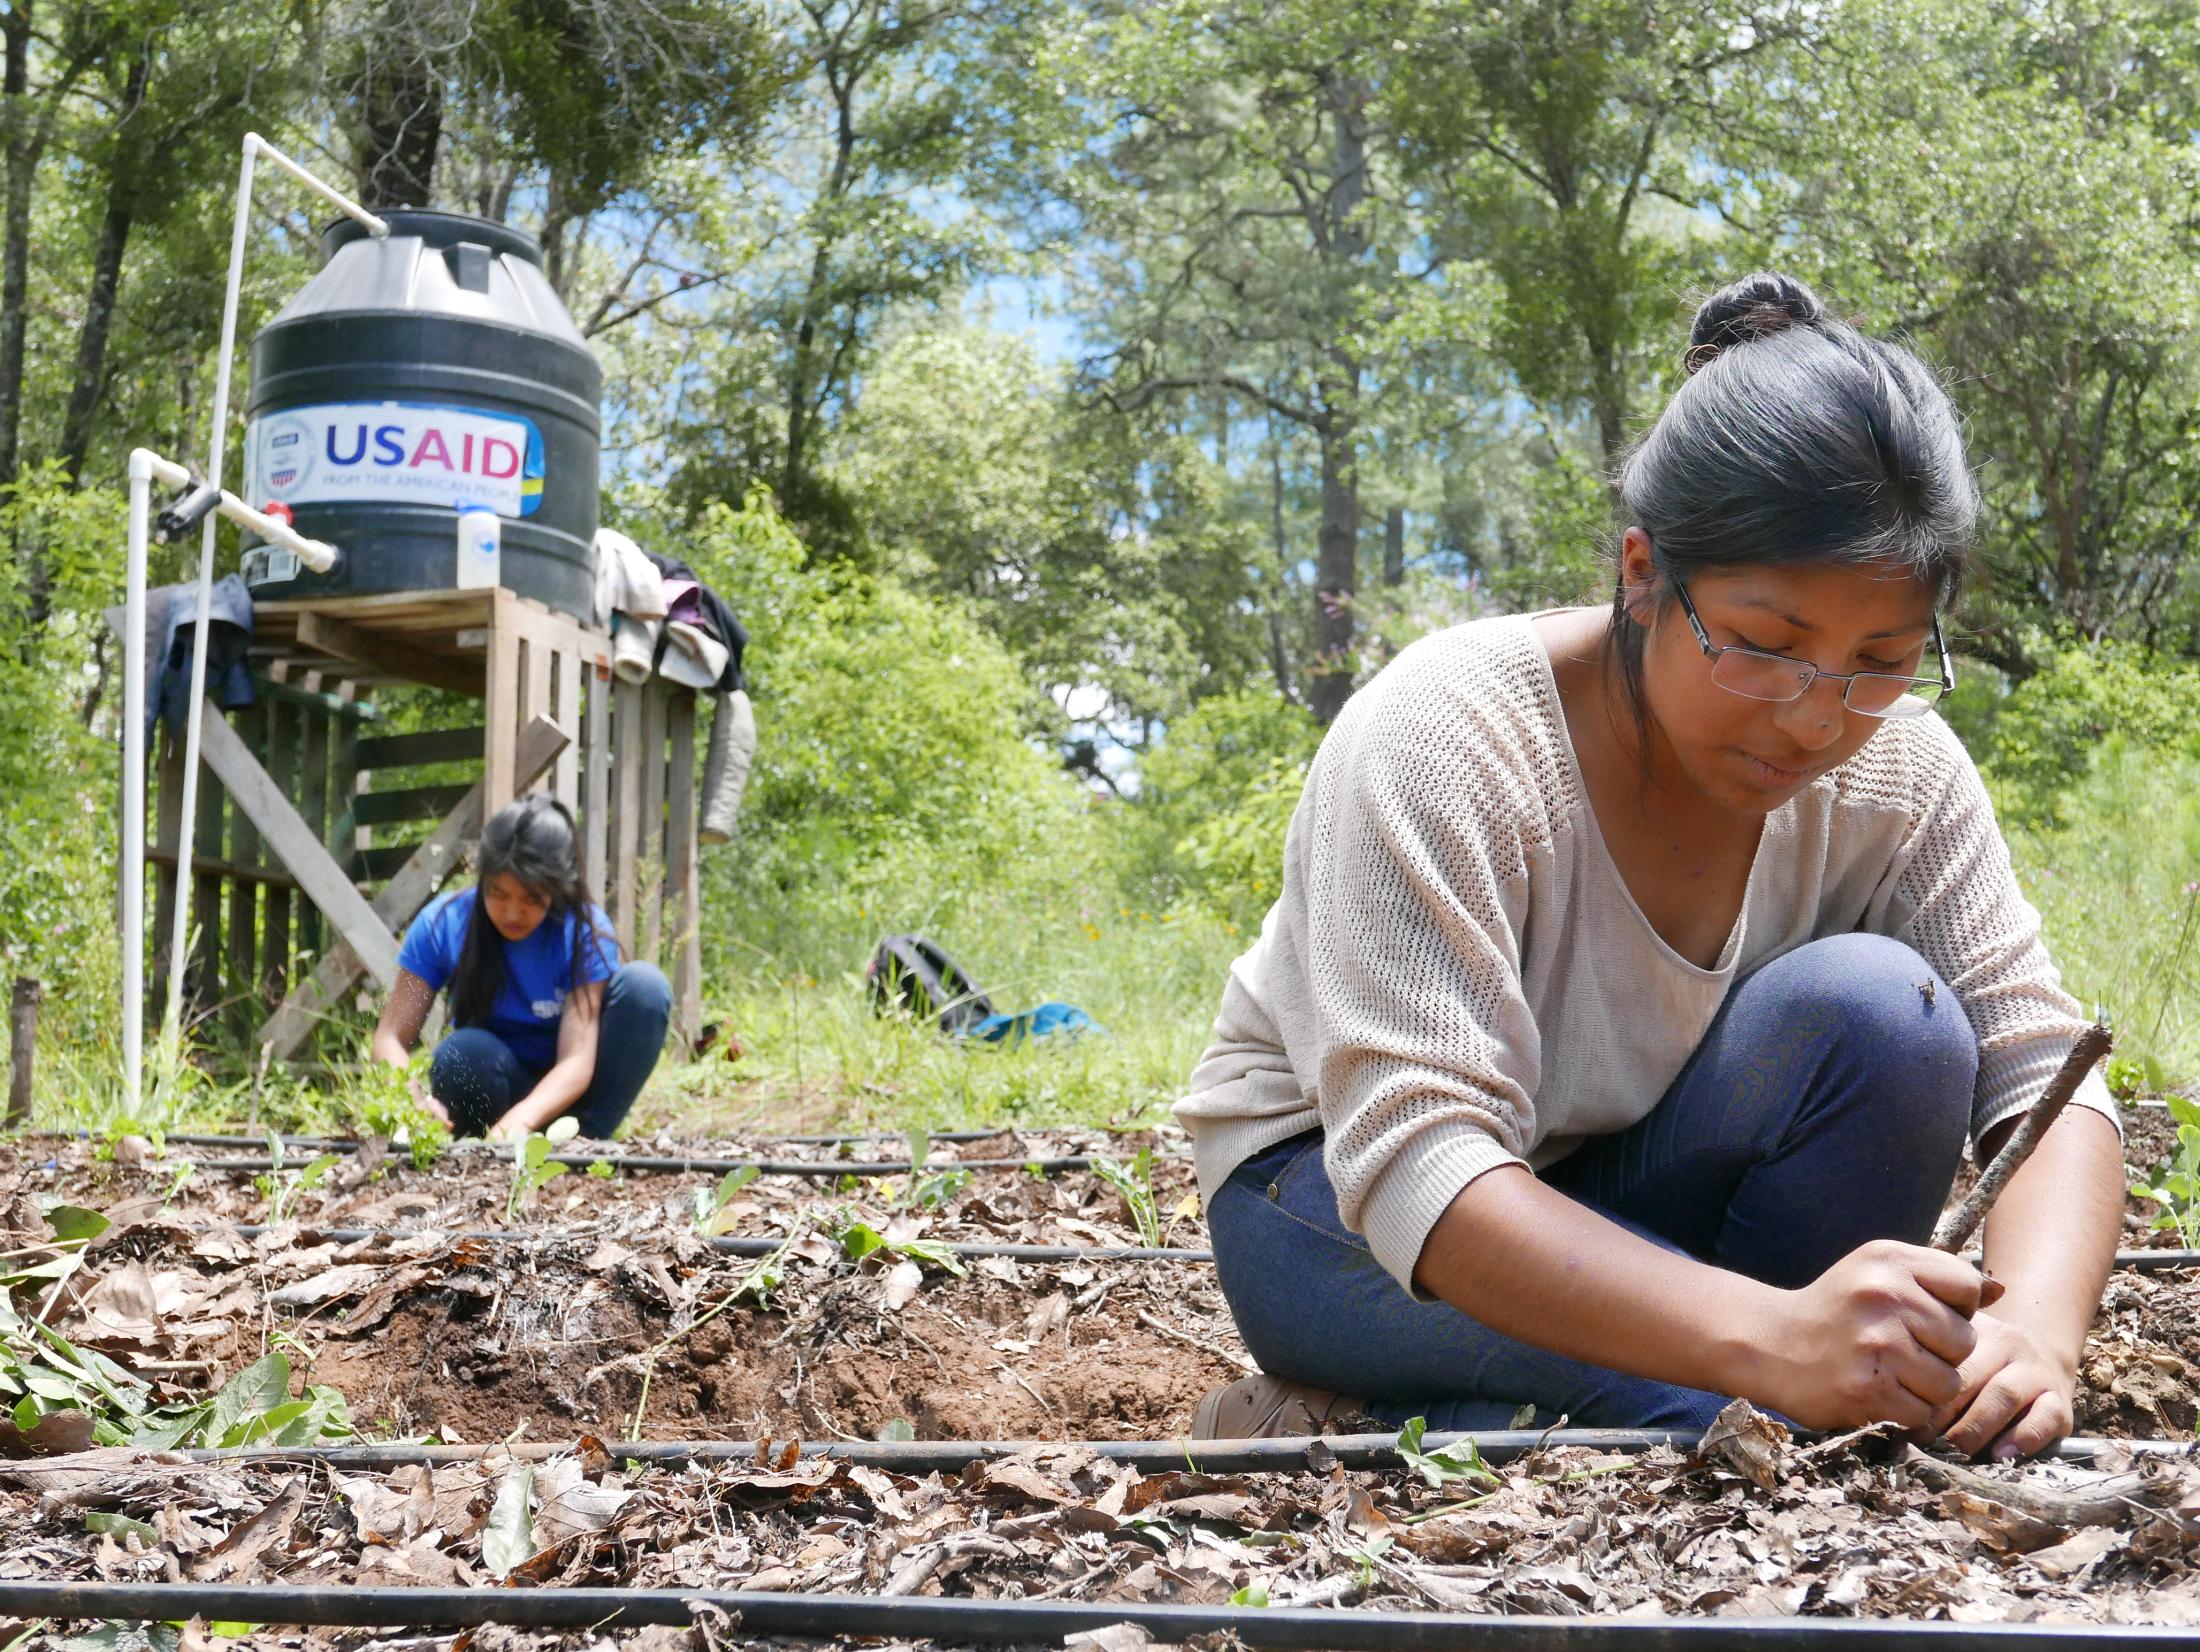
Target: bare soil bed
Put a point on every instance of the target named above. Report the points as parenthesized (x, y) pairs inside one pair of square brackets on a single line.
[(558, 1329)]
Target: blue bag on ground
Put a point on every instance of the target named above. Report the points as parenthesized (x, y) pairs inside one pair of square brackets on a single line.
[(914, 973)]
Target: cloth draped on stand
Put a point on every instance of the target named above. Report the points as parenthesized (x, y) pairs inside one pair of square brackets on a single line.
[(667, 622), (171, 622)]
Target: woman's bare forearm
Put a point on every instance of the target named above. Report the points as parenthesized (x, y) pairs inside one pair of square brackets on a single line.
[(1524, 1259), (2051, 1237)]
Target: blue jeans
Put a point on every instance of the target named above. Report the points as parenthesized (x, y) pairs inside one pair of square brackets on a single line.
[(1826, 1106), (476, 1075)]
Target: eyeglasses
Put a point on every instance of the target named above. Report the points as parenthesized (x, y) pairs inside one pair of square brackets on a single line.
[(1756, 675)]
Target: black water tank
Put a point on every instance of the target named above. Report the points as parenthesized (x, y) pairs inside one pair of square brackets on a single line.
[(411, 374)]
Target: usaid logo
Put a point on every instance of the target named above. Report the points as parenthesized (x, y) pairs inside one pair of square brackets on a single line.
[(397, 452)]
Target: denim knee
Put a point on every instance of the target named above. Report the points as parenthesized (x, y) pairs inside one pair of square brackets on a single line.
[(1886, 1010), (467, 1074), (639, 986)]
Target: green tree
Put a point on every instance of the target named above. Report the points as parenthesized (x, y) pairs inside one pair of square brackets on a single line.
[(2014, 188), (1258, 247), (1087, 546)]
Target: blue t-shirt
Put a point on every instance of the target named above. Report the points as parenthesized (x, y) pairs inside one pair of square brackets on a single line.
[(538, 972)]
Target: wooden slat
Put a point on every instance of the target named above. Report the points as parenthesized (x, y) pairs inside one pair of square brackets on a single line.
[(167, 840), (566, 775), (243, 918), (356, 645), (384, 860), (411, 886), (311, 792), (537, 668), (652, 865), (404, 751), (626, 821), (335, 705), (407, 803), (282, 767), (343, 835), (596, 782), (273, 878), (464, 607), (204, 978), (299, 847), (502, 718), (681, 893)]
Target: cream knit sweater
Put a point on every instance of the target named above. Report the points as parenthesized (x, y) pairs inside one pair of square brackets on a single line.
[(1456, 978)]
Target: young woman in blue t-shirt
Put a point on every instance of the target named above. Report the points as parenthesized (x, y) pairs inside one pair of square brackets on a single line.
[(546, 1019)]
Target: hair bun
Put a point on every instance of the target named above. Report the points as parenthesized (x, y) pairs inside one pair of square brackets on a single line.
[(1756, 306)]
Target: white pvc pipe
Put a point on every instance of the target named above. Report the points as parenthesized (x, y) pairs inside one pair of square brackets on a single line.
[(146, 468), (254, 147), (133, 785), (254, 143), (314, 553)]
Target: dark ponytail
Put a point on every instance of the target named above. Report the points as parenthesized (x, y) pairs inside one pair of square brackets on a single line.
[(1794, 441), (532, 840)]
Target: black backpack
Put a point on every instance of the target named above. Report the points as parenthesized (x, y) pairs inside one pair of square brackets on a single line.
[(911, 972)]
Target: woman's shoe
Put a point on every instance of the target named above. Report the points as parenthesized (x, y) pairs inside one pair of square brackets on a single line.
[(1262, 1407)]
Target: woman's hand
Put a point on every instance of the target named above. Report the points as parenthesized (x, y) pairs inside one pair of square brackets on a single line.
[(2019, 1395), (424, 1098), (1881, 1336), (513, 1128)]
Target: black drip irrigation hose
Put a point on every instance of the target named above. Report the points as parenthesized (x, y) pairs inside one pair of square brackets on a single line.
[(2136, 1261), (963, 1621), (738, 1247), (1281, 1456), (649, 1164), (345, 1144)]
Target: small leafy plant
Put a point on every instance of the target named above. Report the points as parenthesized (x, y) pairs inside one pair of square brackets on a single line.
[(387, 1104), (2175, 1183), (1135, 1183), (282, 1187), (1461, 1460), (711, 1204), (532, 1166), (930, 1189), (859, 1239)]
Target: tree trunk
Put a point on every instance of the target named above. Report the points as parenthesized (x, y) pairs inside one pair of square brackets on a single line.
[(1336, 567), (802, 370), (15, 232), (1279, 661), (1394, 547), (401, 128), (1343, 239), (22, 1044), (90, 377)]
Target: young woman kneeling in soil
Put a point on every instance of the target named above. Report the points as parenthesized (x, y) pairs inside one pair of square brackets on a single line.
[(548, 1021), (1638, 974)]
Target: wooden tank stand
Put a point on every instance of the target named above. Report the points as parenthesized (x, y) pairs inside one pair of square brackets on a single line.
[(310, 857)]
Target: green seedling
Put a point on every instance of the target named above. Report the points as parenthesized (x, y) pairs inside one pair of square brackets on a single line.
[(387, 1104), (1445, 1466), (2127, 1079), (937, 1187), (711, 1218), (859, 1239), (602, 1169), (281, 1187), (532, 1167), (1363, 1561), (2175, 1183), (1135, 1183), (1253, 1594)]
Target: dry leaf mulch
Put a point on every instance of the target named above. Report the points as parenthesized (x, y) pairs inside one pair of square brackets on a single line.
[(1856, 1527), (467, 1188)]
